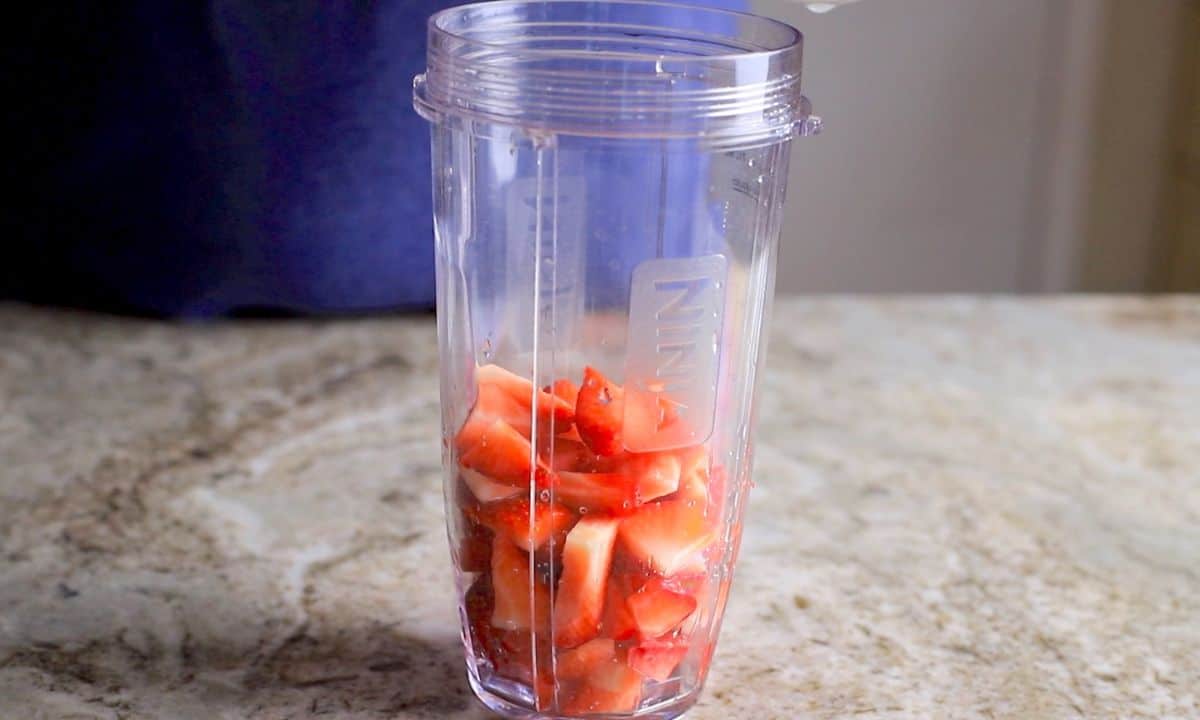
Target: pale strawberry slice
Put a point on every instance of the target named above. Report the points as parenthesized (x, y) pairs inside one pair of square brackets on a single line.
[(655, 474), (484, 489), (526, 526), (518, 603), (665, 535), (504, 456), (693, 474), (657, 659), (583, 660), (600, 413), (587, 556), (657, 610), (521, 390), (491, 404), (597, 492), (652, 421), (611, 688)]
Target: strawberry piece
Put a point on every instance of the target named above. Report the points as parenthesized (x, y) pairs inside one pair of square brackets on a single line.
[(657, 659), (655, 475), (611, 688), (587, 556), (491, 404), (665, 535), (568, 454), (484, 489), (521, 391), (693, 473), (504, 456), (597, 492), (566, 390), (618, 621), (572, 434), (518, 602), (657, 610), (583, 660), (651, 422), (599, 413), (526, 526)]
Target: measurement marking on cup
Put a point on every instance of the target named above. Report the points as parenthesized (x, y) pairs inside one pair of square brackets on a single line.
[(676, 307)]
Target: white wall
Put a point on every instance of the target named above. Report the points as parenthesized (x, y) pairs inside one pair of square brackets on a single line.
[(937, 164)]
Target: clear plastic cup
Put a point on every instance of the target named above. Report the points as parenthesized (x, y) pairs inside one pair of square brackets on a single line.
[(608, 183)]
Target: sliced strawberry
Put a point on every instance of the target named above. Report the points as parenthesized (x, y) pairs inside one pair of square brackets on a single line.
[(504, 456), (568, 454), (664, 535), (491, 404), (693, 473), (618, 623), (521, 390), (611, 688), (597, 492), (657, 610), (655, 475), (526, 526), (599, 413), (657, 659), (519, 603), (486, 490), (651, 422), (583, 660), (587, 556), (566, 390)]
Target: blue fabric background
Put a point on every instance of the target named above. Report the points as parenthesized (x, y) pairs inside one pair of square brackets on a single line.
[(201, 158)]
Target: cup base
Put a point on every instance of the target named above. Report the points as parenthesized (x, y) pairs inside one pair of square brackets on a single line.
[(496, 701)]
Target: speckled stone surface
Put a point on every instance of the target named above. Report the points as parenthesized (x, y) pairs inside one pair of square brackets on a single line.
[(964, 509)]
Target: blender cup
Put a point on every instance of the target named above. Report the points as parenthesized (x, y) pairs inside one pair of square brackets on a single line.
[(608, 183)]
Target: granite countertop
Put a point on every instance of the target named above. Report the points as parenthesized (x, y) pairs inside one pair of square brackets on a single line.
[(964, 509)]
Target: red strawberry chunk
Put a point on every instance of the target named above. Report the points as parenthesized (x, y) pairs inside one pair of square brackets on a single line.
[(505, 456), (657, 659), (566, 390), (521, 390), (528, 526), (657, 610), (599, 413), (583, 660), (665, 535), (568, 454), (587, 556)]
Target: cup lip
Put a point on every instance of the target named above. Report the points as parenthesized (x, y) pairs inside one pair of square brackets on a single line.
[(636, 69), (795, 38)]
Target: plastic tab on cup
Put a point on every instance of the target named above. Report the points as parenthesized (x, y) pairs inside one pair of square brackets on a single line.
[(676, 311)]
